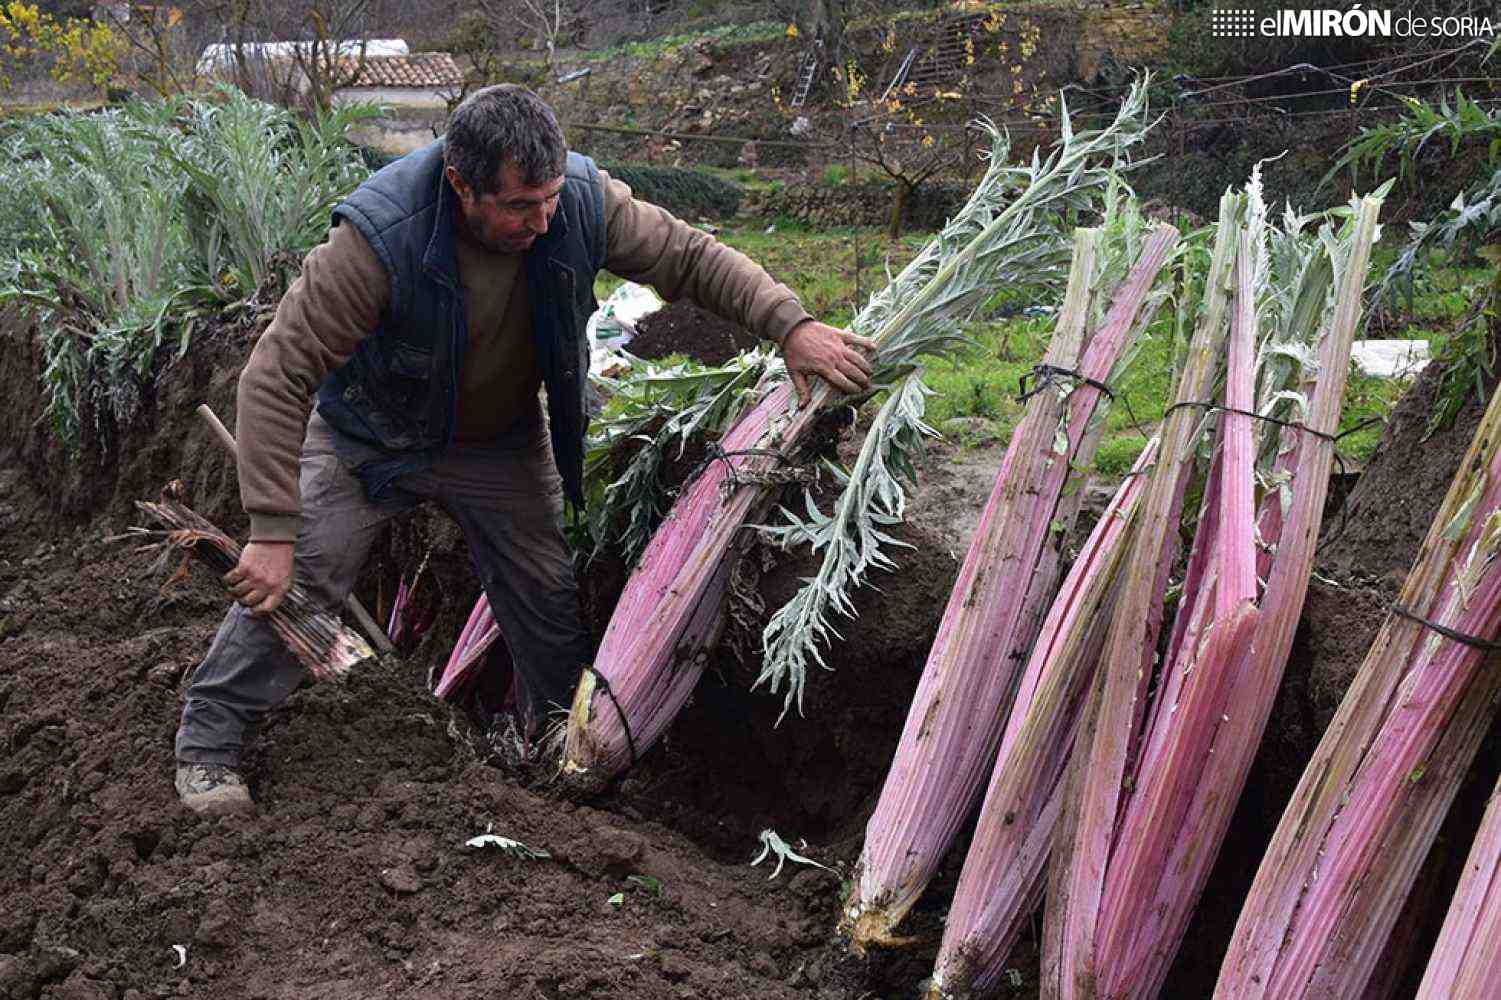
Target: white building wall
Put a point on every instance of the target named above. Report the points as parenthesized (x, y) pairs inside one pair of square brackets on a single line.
[(416, 98)]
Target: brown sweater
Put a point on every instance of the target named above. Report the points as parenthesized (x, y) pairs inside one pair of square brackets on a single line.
[(343, 291)]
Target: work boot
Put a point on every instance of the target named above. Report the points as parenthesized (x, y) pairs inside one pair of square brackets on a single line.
[(213, 789)]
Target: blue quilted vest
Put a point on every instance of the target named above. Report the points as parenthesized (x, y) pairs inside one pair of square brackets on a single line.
[(398, 391)]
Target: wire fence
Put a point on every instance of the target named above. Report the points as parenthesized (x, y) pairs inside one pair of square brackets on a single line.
[(1002, 105), (1212, 126)]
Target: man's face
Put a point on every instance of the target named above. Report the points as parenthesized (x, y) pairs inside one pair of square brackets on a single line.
[(511, 219)]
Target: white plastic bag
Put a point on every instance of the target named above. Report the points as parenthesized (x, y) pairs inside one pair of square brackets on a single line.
[(613, 325)]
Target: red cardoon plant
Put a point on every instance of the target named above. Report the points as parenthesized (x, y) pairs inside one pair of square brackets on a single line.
[(1140, 856), (1348, 848), (957, 716)]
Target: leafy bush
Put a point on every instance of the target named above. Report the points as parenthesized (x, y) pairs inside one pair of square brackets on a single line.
[(104, 257), (261, 185), (1425, 131), (691, 194), (1467, 352), (126, 226)]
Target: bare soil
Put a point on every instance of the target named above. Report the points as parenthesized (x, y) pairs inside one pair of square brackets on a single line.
[(353, 880), (684, 328)]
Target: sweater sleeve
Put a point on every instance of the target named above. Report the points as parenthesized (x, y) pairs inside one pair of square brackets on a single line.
[(650, 245), (335, 303)]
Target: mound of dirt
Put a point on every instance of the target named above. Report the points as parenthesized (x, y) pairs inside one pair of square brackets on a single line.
[(118, 462), (354, 881), (1400, 491), (684, 328)]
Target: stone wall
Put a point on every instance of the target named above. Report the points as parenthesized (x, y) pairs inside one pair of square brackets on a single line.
[(1133, 34)]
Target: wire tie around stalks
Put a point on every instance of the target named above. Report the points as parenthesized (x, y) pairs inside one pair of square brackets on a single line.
[(714, 452), (1048, 376), (604, 685), (1333, 439), (1296, 424), (1474, 642), (1053, 375)]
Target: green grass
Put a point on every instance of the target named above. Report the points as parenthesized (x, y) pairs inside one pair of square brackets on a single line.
[(1366, 398), (1117, 455), (729, 34), (985, 381), (819, 265)]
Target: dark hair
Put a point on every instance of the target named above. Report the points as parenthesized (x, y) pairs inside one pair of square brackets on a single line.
[(502, 124)]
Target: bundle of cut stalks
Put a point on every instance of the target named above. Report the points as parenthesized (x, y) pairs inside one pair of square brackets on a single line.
[(993, 615), (479, 634), (1002, 877), (1370, 803), (1154, 781), (318, 639), (653, 649), (1468, 952), (675, 594)]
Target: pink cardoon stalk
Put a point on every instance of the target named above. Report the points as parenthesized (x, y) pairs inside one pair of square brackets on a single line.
[(1214, 620), (1116, 706), (1344, 857), (396, 625), (652, 652), (480, 632), (1140, 890), (1468, 953), (1215, 699), (1003, 871), (957, 716)]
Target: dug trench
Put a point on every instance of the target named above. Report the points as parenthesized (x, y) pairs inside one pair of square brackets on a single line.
[(353, 880)]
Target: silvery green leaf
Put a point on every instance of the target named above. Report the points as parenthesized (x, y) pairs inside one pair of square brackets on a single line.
[(850, 538), (514, 848), (1459, 525), (773, 844)]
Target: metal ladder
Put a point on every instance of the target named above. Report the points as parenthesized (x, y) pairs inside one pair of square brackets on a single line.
[(901, 74), (807, 72)]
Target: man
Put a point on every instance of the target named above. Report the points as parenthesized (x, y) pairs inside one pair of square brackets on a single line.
[(454, 284)]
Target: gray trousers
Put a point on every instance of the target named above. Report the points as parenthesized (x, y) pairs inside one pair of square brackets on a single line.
[(506, 497)]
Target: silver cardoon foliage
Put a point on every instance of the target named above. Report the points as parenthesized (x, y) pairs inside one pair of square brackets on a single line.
[(1015, 230)]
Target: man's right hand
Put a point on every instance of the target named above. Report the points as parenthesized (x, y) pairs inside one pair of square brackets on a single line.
[(262, 577)]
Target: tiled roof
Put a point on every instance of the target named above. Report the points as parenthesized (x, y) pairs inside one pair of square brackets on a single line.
[(422, 69)]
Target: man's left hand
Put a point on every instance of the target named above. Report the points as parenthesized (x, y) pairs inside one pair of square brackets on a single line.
[(837, 356)]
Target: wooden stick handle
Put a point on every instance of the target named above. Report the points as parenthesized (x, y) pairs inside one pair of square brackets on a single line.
[(217, 426), (352, 604), (367, 624)]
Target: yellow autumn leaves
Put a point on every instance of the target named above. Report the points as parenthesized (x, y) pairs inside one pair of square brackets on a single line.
[(77, 49)]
